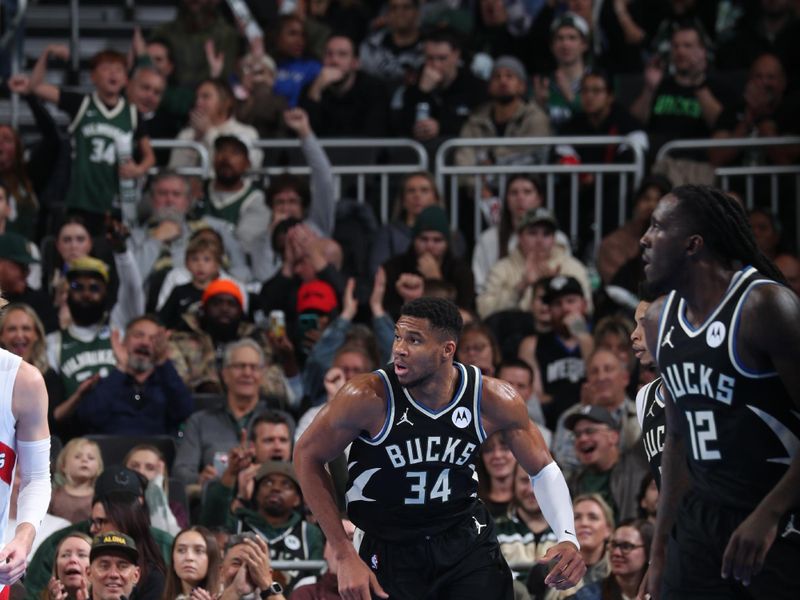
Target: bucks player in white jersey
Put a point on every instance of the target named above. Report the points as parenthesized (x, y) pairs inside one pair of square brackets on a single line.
[(24, 444), (415, 429), (727, 343)]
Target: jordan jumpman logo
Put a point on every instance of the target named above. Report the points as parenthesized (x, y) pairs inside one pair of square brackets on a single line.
[(405, 419)]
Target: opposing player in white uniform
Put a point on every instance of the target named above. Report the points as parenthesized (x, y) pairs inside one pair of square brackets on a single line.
[(24, 443)]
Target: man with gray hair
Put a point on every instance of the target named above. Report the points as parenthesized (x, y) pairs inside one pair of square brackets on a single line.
[(160, 242), (210, 433), (144, 394), (507, 114)]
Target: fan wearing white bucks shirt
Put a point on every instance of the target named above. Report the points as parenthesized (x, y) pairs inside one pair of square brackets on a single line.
[(415, 429), (727, 342), (24, 444)]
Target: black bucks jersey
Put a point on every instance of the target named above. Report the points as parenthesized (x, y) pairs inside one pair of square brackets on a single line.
[(417, 476), (652, 420), (739, 427)]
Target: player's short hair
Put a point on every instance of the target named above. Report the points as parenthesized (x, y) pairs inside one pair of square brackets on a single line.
[(442, 314)]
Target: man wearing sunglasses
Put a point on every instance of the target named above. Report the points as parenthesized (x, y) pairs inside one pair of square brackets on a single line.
[(82, 352)]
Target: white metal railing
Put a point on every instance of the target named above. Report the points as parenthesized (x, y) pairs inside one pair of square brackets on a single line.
[(203, 170), (622, 171), (771, 173), (361, 172)]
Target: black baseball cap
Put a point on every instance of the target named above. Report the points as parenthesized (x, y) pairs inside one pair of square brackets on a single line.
[(562, 285), (116, 479), (234, 140), (537, 216), (14, 247), (596, 414), (114, 542)]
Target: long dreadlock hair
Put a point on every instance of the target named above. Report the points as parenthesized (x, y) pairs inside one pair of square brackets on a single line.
[(725, 228)]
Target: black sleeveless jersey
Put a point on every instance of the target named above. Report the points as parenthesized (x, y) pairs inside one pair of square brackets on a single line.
[(652, 420), (563, 372), (417, 476), (739, 428)]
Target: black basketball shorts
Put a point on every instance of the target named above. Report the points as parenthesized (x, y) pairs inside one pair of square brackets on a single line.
[(696, 546), (461, 563)]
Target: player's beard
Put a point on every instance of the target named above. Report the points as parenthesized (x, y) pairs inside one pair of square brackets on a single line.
[(86, 313)]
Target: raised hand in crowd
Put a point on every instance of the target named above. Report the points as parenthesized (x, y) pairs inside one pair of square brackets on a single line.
[(349, 302), (378, 292), (239, 458), (216, 60), (334, 380), (297, 120), (410, 286)]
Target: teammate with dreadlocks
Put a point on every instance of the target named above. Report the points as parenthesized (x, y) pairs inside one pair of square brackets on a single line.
[(727, 343)]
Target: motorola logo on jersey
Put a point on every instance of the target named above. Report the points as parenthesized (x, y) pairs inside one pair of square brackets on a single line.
[(715, 334), (462, 417)]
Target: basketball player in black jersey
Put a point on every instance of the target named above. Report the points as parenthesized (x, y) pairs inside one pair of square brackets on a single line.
[(727, 343), (649, 399), (415, 428)]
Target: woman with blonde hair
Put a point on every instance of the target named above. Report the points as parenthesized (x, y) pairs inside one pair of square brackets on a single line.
[(70, 568), (22, 332), (594, 523), (78, 466)]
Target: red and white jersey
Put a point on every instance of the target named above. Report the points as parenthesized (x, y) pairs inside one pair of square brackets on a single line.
[(9, 365)]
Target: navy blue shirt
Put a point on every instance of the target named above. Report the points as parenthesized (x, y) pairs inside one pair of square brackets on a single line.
[(118, 404)]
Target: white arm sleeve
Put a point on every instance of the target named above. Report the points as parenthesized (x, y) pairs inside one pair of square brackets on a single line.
[(34, 490), (553, 496)]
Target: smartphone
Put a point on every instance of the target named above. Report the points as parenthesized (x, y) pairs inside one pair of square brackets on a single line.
[(307, 322)]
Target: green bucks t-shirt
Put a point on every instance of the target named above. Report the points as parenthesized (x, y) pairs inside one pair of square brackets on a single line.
[(95, 127), (80, 360)]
